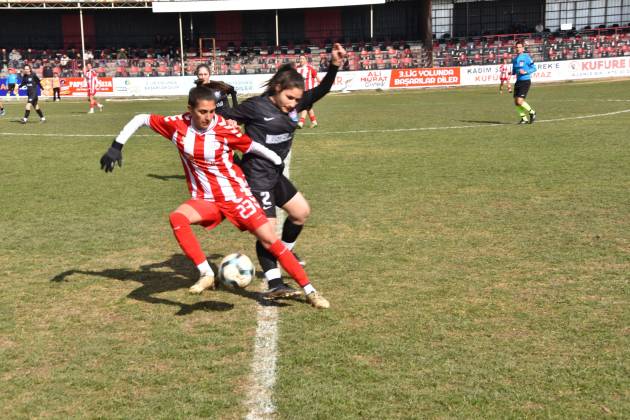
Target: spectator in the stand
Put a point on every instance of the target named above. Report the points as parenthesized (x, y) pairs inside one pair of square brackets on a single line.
[(323, 64), (14, 58), (346, 64), (63, 61), (5, 58), (122, 54)]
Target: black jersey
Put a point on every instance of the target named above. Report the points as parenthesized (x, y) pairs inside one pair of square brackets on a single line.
[(265, 123), (31, 82), (222, 100)]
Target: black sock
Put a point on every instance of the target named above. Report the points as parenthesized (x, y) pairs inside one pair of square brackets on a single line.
[(267, 262), (27, 113), (40, 113), (290, 231)]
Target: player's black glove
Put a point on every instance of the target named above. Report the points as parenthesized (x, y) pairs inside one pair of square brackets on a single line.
[(109, 159)]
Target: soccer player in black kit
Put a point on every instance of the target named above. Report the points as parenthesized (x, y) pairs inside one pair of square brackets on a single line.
[(271, 119), (32, 82), (221, 89)]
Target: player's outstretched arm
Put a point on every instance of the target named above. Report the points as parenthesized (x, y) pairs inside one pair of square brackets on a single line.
[(314, 95), (113, 155)]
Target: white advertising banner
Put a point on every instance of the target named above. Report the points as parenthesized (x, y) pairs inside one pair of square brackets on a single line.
[(554, 71), (249, 84)]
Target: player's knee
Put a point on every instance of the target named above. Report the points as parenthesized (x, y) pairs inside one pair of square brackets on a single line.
[(178, 220), (300, 215)]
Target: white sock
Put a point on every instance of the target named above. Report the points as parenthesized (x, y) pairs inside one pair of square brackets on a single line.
[(308, 289), (204, 268), (274, 273), (289, 245)]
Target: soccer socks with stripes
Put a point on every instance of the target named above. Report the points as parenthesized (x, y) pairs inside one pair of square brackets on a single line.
[(290, 233), (312, 117), (187, 240), (269, 266), (290, 264)]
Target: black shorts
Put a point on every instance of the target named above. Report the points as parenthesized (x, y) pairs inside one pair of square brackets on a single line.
[(33, 100), (281, 193), (521, 87)]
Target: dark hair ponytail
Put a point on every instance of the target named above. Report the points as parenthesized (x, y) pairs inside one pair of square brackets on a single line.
[(219, 86), (285, 78)]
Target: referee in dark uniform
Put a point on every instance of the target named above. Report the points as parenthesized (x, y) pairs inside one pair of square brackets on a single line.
[(32, 83)]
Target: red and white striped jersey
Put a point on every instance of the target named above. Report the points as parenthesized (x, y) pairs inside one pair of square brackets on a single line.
[(310, 76), (91, 78), (504, 72), (207, 156)]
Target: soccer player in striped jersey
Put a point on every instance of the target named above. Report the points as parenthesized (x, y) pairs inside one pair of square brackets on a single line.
[(92, 82), (217, 186), (311, 80), (523, 66), (504, 76), (32, 83)]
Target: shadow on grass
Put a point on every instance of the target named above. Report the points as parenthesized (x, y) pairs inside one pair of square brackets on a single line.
[(181, 274), (166, 177)]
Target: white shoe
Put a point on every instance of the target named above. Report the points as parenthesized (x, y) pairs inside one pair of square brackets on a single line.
[(100, 107), (206, 281), (91, 111), (317, 301)]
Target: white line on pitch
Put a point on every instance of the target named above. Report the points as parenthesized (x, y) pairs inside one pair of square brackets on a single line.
[(389, 130), (263, 374)]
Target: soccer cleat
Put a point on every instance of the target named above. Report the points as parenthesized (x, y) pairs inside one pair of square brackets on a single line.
[(2, 113), (314, 124), (532, 117), (100, 107), (91, 111), (300, 124), (23, 120), (282, 291), (523, 121), (42, 120), (206, 281), (317, 301)]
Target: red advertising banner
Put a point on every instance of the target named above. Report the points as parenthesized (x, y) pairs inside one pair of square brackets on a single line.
[(77, 86), (438, 76)]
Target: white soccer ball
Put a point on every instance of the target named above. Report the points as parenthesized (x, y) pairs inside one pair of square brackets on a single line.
[(236, 271)]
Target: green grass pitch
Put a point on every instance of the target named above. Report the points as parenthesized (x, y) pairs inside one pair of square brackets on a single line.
[(476, 268)]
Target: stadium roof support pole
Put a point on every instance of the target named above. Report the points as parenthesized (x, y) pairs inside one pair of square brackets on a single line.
[(181, 43), (82, 36), (371, 21), (277, 31)]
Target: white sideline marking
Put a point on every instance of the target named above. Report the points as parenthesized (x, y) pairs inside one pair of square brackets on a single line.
[(390, 130), (263, 375), (454, 127)]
